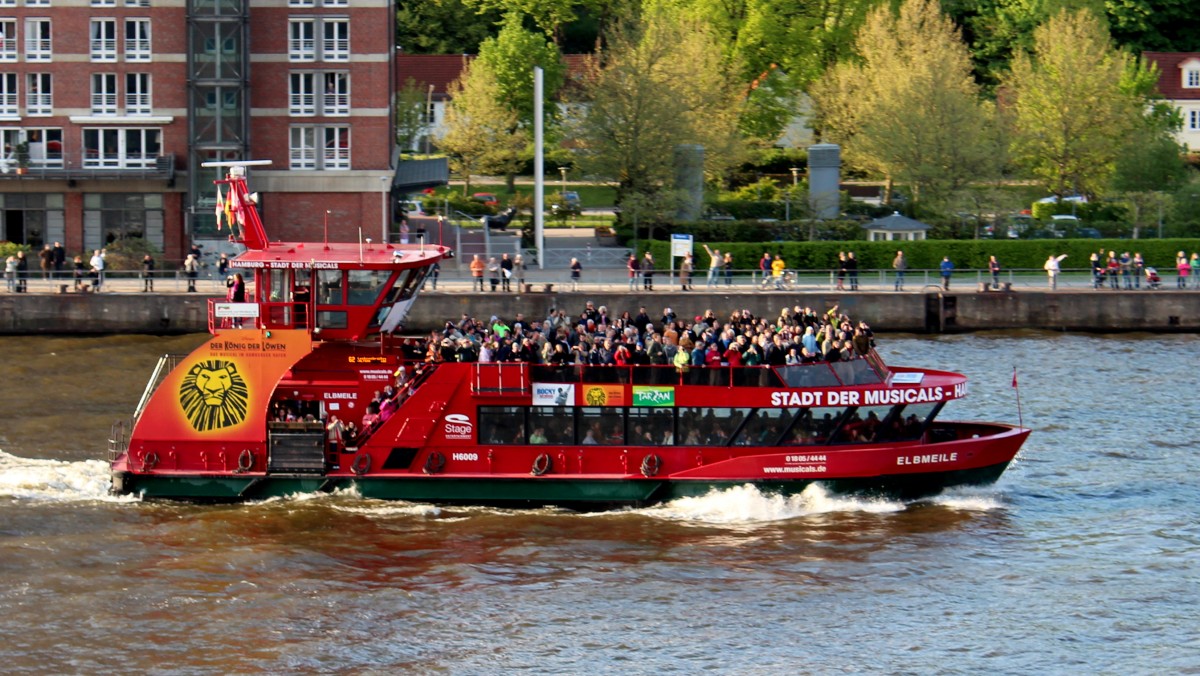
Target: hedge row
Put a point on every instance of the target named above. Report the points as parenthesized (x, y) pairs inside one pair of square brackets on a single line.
[(927, 254)]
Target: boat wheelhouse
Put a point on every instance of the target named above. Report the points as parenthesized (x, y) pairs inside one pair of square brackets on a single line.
[(260, 409)]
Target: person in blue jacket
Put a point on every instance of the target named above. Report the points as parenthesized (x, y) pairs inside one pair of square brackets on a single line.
[(947, 268)]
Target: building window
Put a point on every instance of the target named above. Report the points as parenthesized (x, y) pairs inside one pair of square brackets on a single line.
[(109, 217), (301, 3), (137, 39), (104, 40), (104, 3), (137, 3), (1191, 78), (334, 147), (335, 42), (8, 39), (302, 44), (38, 46), (117, 148), (302, 98), (1193, 120), (39, 94), (8, 95), (37, 3), (40, 222), (336, 99), (45, 146), (335, 3), (137, 93), (104, 94), (8, 3)]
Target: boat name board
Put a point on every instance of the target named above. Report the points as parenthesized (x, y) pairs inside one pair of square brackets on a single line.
[(872, 397), (926, 459), (285, 265)]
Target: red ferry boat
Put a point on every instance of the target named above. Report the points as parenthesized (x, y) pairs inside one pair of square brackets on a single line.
[(315, 336)]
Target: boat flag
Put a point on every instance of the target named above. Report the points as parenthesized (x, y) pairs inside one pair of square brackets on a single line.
[(229, 203), (220, 207), (1014, 376)]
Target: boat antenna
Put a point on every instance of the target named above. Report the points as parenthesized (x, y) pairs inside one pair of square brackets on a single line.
[(1020, 418), (360, 250), (327, 230)]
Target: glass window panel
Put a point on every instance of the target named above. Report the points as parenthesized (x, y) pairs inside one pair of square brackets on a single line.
[(813, 426), (366, 285), (554, 424), (764, 428), (604, 425), (651, 426)]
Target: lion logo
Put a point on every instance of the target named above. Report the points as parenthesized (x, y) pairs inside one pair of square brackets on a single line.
[(595, 396), (213, 395)]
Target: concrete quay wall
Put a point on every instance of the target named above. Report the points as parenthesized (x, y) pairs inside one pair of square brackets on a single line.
[(920, 312)]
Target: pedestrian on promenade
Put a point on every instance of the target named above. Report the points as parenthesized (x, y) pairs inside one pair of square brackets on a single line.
[(634, 271), (147, 273), (10, 273), (60, 257), (46, 261), (22, 272), (97, 264), (714, 264), (1195, 263), (506, 272), (777, 268), (1126, 262), (685, 273), (728, 263), (79, 270), (852, 270), (947, 269), (191, 270), (1097, 270), (1111, 269), (841, 271), (493, 269), (994, 268), (476, 273), (1139, 269), (648, 272), (518, 271), (1052, 269), (764, 267), (576, 273), (1184, 268), (900, 265)]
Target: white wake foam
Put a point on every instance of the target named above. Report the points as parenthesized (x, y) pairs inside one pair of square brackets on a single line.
[(56, 480), (747, 505)]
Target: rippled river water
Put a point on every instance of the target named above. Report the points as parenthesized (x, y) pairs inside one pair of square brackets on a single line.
[(1082, 559)]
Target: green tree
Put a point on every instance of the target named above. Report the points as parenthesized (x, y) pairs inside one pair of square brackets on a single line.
[(511, 57), (411, 101), (660, 83), (908, 107), (1072, 104), (483, 136), (442, 26)]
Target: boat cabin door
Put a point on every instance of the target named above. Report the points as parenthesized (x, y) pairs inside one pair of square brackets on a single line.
[(285, 296)]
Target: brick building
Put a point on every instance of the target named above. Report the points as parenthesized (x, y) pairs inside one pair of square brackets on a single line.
[(108, 107)]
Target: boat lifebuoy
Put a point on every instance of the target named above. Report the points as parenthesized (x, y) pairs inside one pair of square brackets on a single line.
[(149, 461), (361, 464), (650, 465), (246, 460), (542, 464), (435, 463)]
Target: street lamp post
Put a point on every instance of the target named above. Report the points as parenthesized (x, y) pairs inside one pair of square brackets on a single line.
[(563, 188), (383, 204), (795, 175)]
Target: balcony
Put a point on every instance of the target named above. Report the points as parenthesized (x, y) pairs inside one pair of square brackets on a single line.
[(84, 167)]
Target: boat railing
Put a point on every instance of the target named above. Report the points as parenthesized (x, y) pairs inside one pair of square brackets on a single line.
[(166, 364), (118, 438), (864, 371)]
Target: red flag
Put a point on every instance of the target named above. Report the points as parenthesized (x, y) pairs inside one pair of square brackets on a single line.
[(1014, 376), (233, 208), (220, 207)]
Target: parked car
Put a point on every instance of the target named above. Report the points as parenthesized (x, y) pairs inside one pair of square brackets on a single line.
[(487, 198), (571, 200), (412, 207)]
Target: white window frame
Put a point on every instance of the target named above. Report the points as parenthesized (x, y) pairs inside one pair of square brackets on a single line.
[(8, 3), (302, 93), (8, 39), (10, 94), (335, 39), (102, 39), (302, 43), (104, 3), (39, 152), (1192, 119), (302, 3), (37, 3), (302, 151), (39, 94), (335, 99), (1191, 78), (335, 3), (39, 43), (115, 147), (104, 93), (335, 155), (137, 46), (137, 94)]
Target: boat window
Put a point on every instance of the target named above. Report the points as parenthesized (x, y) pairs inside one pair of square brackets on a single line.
[(862, 425), (651, 426), (501, 425), (808, 375), (911, 420), (856, 372), (331, 320), (277, 280), (554, 423), (813, 426), (702, 426), (606, 424), (329, 287), (365, 286), (764, 428)]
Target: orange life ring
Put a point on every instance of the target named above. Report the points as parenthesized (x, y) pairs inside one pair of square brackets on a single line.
[(361, 464), (542, 464), (149, 461), (651, 464), (245, 460), (435, 463)]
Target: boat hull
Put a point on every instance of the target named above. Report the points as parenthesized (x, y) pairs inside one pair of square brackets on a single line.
[(576, 493)]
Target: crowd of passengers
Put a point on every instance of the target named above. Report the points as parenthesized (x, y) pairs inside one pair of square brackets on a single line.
[(595, 337)]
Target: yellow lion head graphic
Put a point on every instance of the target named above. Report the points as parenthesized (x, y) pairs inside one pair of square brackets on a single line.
[(595, 396), (213, 395)]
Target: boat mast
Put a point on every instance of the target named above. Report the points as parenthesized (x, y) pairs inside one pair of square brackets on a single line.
[(254, 235)]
